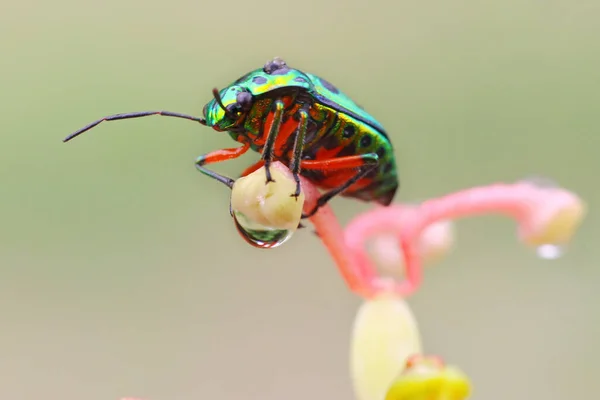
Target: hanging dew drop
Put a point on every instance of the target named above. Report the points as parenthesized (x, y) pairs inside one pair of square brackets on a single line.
[(266, 215), (541, 181), (550, 251), (259, 235)]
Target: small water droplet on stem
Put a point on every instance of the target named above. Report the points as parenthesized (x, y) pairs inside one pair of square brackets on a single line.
[(541, 182), (550, 251)]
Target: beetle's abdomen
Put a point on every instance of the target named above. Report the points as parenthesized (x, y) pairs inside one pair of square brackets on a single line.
[(342, 135)]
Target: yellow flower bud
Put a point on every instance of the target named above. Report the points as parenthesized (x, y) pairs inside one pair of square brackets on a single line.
[(428, 379), (385, 335), (556, 221)]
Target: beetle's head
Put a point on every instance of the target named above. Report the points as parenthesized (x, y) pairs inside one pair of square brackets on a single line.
[(228, 109)]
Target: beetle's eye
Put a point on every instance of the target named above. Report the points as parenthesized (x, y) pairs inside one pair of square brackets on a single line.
[(233, 110)]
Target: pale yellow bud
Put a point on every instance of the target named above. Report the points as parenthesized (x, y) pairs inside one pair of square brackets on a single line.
[(555, 221), (385, 335), (435, 242), (385, 250), (267, 214)]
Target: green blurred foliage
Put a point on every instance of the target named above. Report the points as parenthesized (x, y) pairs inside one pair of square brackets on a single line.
[(122, 274)]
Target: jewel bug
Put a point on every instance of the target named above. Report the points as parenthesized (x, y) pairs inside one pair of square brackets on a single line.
[(303, 121)]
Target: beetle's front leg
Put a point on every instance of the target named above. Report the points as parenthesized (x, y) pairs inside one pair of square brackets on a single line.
[(267, 153), (219, 156), (300, 135)]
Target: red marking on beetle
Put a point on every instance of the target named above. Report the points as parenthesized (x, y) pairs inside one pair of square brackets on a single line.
[(261, 139), (327, 154), (287, 130)]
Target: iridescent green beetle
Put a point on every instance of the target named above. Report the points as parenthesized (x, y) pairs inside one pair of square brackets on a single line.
[(303, 121)]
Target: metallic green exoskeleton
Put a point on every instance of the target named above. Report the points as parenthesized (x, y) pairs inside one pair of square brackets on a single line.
[(342, 145)]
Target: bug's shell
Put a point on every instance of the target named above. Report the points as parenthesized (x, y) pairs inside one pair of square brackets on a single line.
[(259, 82), (337, 111)]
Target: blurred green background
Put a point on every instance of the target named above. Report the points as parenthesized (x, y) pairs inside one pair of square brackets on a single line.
[(121, 271)]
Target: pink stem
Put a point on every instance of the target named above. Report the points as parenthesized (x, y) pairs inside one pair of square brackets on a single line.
[(332, 234), (347, 247)]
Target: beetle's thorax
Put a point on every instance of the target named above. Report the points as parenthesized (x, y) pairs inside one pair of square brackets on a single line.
[(256, 124)]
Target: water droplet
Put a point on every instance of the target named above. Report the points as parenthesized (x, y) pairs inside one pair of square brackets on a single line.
[(550, 251), (259, 235), (541, 182)]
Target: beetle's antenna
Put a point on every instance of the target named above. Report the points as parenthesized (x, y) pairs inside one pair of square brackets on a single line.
[(219, 101), (133, 115)]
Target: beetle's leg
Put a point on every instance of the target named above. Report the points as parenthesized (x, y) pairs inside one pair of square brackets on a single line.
[(296, 159), (345, 162), (296, 163), (267, 153), (364, 163), (218, 156)]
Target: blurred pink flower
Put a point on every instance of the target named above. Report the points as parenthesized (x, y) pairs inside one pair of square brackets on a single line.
[(546, 216)]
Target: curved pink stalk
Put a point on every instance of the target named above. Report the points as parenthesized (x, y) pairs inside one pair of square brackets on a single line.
[(536, 210)]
